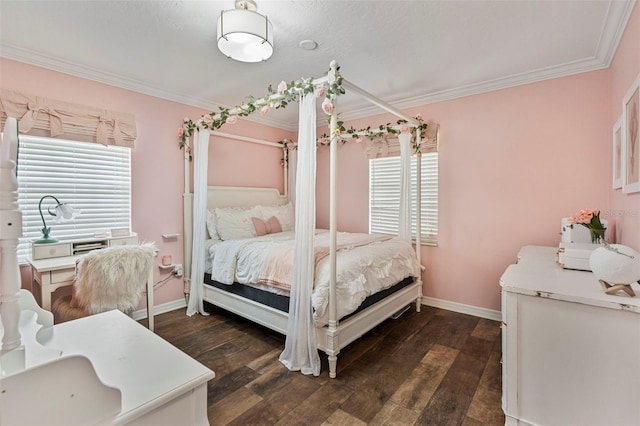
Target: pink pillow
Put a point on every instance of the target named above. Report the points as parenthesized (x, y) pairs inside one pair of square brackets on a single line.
[(271, 226)]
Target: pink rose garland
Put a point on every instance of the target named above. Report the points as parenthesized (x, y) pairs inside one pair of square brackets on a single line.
[(321, 91), (327, 106)]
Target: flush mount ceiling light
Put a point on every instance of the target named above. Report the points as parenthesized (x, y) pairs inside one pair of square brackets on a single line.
[(244, 34)]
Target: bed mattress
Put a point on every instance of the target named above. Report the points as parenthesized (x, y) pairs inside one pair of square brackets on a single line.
[(281, 302), (362, 269)]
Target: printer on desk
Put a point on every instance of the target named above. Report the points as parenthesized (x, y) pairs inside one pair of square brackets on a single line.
[(575, 245)]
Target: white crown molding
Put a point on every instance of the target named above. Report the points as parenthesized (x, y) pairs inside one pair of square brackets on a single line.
[(55, 64), (543, 74), (617, 18)]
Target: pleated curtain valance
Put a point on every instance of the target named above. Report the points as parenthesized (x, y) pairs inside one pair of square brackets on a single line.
[(53, 118), (389, 146)]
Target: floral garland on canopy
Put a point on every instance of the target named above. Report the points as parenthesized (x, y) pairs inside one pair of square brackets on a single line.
[(291, 92), (276, 98), (373, 133)]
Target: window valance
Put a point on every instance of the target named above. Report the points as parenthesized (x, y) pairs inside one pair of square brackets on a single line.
[(48, 117), (389, 146)]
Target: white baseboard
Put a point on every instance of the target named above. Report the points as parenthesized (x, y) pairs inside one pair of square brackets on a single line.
[(427, 301), (160, 309), (462, 308)]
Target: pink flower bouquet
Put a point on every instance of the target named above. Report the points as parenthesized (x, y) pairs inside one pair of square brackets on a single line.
[(590, 219)]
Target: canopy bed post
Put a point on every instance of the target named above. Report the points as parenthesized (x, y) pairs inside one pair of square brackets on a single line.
[(285, 156), (332, 333), (187, 221), (419, 216), (10, 231)]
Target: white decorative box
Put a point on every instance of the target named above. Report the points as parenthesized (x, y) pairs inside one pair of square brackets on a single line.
[(576, 233), (575, 255)]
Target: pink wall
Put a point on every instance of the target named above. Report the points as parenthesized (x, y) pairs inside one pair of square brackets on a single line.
[(512, 163), (157, 165), (625, 68)]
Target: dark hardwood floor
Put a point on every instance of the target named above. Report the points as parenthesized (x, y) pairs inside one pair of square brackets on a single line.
[(435, 367)]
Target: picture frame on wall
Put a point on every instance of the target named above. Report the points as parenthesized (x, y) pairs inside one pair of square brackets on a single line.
[(618, 157), (631, 139)]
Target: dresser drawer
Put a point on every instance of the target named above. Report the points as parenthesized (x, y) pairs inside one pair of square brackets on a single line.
[(48, 251), (62, 275)]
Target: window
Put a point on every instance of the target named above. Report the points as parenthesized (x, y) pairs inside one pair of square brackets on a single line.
[(93, 178), (384, 196)]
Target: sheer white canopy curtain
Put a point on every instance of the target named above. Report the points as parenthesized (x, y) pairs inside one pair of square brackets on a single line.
[(300, 352), (200, 165)]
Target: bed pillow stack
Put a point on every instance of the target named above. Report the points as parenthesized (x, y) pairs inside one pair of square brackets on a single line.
[(234, 223)]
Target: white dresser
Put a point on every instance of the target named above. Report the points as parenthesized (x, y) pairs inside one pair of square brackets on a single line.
[(571, 353)]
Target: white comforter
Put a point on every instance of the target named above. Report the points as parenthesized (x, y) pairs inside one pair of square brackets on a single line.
[(361, 271)]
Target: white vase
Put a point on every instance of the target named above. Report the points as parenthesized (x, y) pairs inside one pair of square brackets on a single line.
[(615, 264)]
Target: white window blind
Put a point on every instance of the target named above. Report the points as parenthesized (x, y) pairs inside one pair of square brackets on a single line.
[(93, 178), (384, 196)]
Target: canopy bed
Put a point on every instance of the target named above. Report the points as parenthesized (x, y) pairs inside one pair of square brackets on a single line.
[(307, 324)]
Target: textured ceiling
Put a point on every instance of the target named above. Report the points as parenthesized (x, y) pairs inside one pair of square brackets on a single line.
[(408, 53)]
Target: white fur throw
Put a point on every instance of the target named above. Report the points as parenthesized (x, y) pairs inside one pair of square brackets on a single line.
[(112, 278)]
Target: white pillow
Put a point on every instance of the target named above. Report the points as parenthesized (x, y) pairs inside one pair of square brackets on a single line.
[(211, 225), (234, 223), (284, 214)]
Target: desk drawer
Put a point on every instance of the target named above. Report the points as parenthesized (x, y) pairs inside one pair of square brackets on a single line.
[(49, 251), (62, 275), (125, 241)]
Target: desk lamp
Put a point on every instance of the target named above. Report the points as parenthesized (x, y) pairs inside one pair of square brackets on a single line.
[(61, 212)]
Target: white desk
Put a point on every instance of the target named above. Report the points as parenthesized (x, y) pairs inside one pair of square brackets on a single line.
[(49, 274), (158, 383), (53, 265)]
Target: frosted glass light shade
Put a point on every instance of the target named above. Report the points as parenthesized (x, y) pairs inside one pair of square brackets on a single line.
[(64, 212), (616, 268), (245, 35)]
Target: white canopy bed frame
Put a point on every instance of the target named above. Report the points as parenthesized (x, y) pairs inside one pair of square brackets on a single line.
[(337, 334)]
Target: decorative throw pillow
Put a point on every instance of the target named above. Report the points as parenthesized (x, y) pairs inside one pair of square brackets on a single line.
[(271, 226), (284, 214), (234, 223)]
